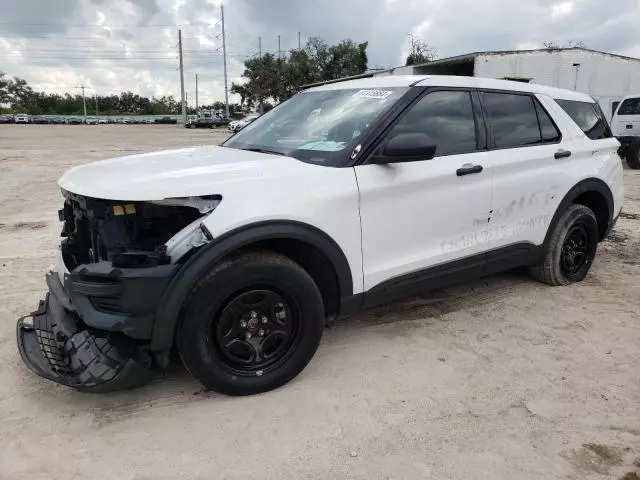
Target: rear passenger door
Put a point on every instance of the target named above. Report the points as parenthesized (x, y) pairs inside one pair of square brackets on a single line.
[(525, 159)]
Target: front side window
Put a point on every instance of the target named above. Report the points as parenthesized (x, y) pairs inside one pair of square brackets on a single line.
[(317, 126), (447, 117), (587, 117), (513, 119), (631, 106)]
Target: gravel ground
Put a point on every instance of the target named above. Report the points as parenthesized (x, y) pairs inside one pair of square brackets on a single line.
[(501, 378)]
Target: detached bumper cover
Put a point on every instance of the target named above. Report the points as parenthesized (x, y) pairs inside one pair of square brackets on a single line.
[(56, 345)]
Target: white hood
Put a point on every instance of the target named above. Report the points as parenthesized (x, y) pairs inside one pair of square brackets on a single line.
[(174, 173)]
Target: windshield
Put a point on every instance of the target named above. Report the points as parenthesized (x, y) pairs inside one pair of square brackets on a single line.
[(316, 126), (631, 106)]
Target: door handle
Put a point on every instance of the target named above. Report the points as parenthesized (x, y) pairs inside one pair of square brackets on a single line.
[(562, 154), (468, 169)]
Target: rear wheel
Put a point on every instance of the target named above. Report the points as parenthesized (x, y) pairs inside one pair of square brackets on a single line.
[(251, 325), (632, 154), (571, 248)]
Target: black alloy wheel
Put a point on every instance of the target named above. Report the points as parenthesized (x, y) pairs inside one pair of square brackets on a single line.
[(251, 324), (575, 250), (571, 246), (255, 331)]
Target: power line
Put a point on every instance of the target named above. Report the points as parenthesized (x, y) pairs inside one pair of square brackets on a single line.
[(114, 25)]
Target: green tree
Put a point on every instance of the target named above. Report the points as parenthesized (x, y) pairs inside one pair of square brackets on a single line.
[(275, 79), (346, 59)]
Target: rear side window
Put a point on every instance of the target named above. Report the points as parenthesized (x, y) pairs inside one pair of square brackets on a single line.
[(588, 117), (513, 119), (631, 106), (447, 117)]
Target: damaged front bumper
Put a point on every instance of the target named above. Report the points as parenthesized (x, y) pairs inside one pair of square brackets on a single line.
[(71, 340)]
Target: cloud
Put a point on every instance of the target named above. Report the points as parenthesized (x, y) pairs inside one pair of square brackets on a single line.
[(115, 45)]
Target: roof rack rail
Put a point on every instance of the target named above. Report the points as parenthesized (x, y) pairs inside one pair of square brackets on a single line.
[(337, 80)]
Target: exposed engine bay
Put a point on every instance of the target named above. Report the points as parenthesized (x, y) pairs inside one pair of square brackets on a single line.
[(127, 234)]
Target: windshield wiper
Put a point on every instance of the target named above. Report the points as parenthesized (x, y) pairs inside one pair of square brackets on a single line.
[(264, 150)]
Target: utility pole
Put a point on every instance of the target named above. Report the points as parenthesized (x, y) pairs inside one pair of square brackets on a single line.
[(84, 103), (224, 54), (196, 93), (278, 47), (299, 43), (259, 47), (95, 95), (184, 106)]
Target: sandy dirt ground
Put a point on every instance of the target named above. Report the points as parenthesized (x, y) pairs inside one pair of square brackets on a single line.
[(503, 378)]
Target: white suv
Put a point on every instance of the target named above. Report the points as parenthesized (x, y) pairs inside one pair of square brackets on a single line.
[(626, 127), (21, 118), (237, 125), (347, 195)]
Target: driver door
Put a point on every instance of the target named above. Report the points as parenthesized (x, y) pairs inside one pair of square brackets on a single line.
[(424, 223)]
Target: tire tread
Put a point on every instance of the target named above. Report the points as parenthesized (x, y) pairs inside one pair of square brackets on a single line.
[(547, 270)]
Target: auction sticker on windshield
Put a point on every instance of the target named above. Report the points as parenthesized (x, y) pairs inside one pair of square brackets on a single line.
[(324, 146), (375, 94)]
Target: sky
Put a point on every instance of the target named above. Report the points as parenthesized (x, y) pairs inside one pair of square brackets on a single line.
[(115, 45)]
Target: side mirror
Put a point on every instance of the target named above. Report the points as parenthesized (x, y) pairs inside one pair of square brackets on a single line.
[(407, 147)]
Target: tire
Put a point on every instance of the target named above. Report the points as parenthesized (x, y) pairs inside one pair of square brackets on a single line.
[(555, 268), (632, 155), (214, 316)]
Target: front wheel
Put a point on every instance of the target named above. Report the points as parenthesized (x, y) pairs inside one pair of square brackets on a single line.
[(571, 248), (251, 325)]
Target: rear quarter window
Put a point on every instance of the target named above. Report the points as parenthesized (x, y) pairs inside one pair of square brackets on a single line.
[(589, 117)]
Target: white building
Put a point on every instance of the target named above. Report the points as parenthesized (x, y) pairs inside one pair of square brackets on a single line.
[(606, 77)]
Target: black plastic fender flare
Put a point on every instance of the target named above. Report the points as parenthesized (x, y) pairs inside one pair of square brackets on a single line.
[(587, 185), (203, 260)]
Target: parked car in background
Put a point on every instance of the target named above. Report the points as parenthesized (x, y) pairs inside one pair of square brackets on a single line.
[(238, 125), (166, 121), (626, 127), (103, 120), (201, 123), (21, 118), (58, 120), (91, 121), (74, 121), (40, 120), (6, 118), (221, 121)]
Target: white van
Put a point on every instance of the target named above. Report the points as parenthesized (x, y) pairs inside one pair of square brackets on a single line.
[(626, 127)]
